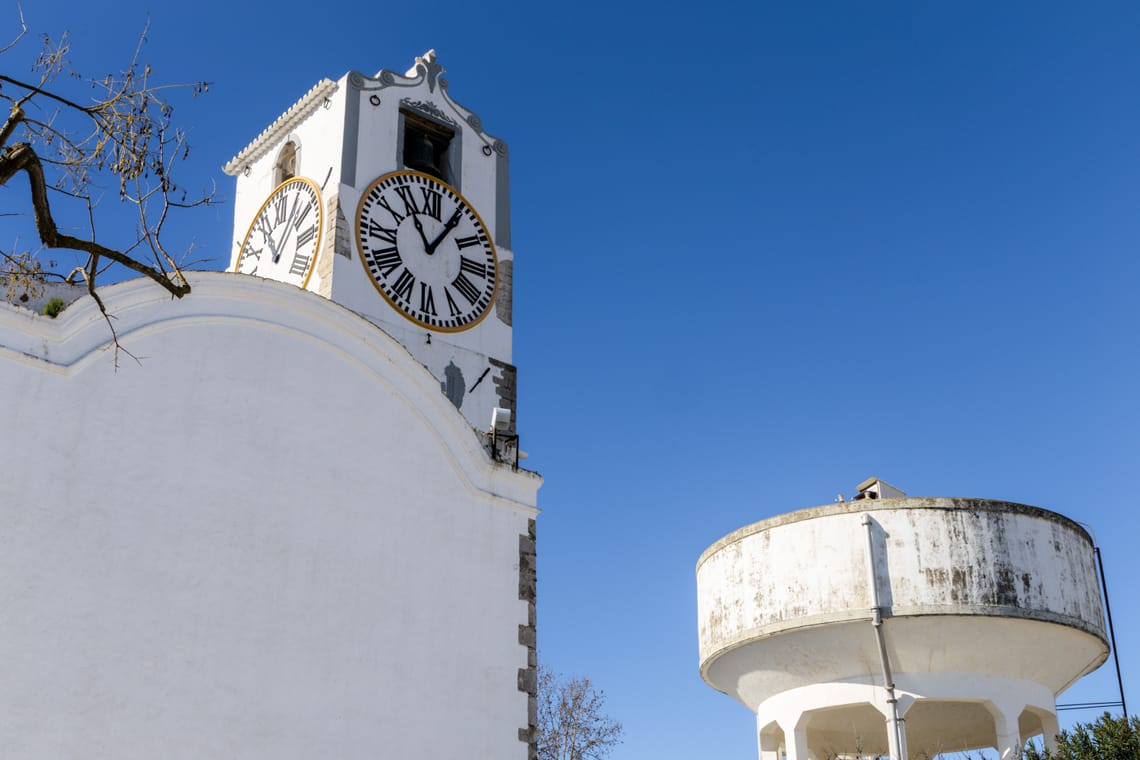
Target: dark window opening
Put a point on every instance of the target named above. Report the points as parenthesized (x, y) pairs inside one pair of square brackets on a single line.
[(426, 146)]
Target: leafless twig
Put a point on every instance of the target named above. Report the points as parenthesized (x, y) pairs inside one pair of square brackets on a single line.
[(126, 132)]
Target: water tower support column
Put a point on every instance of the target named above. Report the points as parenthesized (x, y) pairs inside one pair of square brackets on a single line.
[(1050, 728), (769, 740), (1009, 743), (1007, 719), (896, 733), (795, 737)]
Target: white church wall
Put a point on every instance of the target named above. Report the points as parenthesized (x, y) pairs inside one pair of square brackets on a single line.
[(272, 538)]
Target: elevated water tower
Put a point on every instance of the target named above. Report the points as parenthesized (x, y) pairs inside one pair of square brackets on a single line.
[(900, 626)]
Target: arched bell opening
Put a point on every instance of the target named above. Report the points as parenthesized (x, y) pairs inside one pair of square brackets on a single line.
[(285, 167), (426, 146)]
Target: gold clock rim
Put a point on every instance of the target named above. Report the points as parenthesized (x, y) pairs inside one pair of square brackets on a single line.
[(368, 273), (320, 226)]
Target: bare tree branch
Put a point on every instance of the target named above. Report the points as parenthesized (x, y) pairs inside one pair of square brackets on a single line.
[(66, 144), (572, 724), (21, 157), (20, 36)]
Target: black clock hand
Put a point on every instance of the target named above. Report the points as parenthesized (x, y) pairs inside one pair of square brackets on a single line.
[(274, 253), (285, 241), (420, 229), (275, 249), (288, 223), (448, 226)]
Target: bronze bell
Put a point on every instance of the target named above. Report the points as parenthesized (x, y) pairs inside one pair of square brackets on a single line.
[(420, 154)]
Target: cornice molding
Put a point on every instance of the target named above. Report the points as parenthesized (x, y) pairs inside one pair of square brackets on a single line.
[(299, 111)]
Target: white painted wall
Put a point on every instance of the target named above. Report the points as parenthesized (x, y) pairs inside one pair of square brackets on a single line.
[(272, 538)]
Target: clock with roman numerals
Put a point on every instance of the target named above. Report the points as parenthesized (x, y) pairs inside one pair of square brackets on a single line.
[(426, 251), (281, 243)]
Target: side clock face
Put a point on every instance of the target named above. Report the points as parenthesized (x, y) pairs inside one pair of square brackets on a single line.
[(426, 251), (282, 240)]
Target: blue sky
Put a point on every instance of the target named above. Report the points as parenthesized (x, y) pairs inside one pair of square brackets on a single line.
[(763, 252)]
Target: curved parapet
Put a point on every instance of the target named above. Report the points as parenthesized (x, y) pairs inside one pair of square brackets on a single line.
[(273, 536), (227, 324), (969, 590)]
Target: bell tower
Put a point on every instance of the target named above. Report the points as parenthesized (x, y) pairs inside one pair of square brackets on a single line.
[(385, 195)]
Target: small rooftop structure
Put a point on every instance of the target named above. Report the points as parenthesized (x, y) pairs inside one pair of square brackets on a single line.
[(873, 488)]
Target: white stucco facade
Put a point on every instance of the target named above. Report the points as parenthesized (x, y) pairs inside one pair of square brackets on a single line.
[(987, 611), (271, 537)]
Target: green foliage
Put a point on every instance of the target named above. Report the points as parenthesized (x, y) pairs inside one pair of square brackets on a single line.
[(53, 307), (1108, 738)]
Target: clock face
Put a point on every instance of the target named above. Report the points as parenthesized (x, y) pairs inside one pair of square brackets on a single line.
[(282, 241), (426, 251)]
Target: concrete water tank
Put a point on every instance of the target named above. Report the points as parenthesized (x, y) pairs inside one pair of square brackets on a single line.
[(977, 612)]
